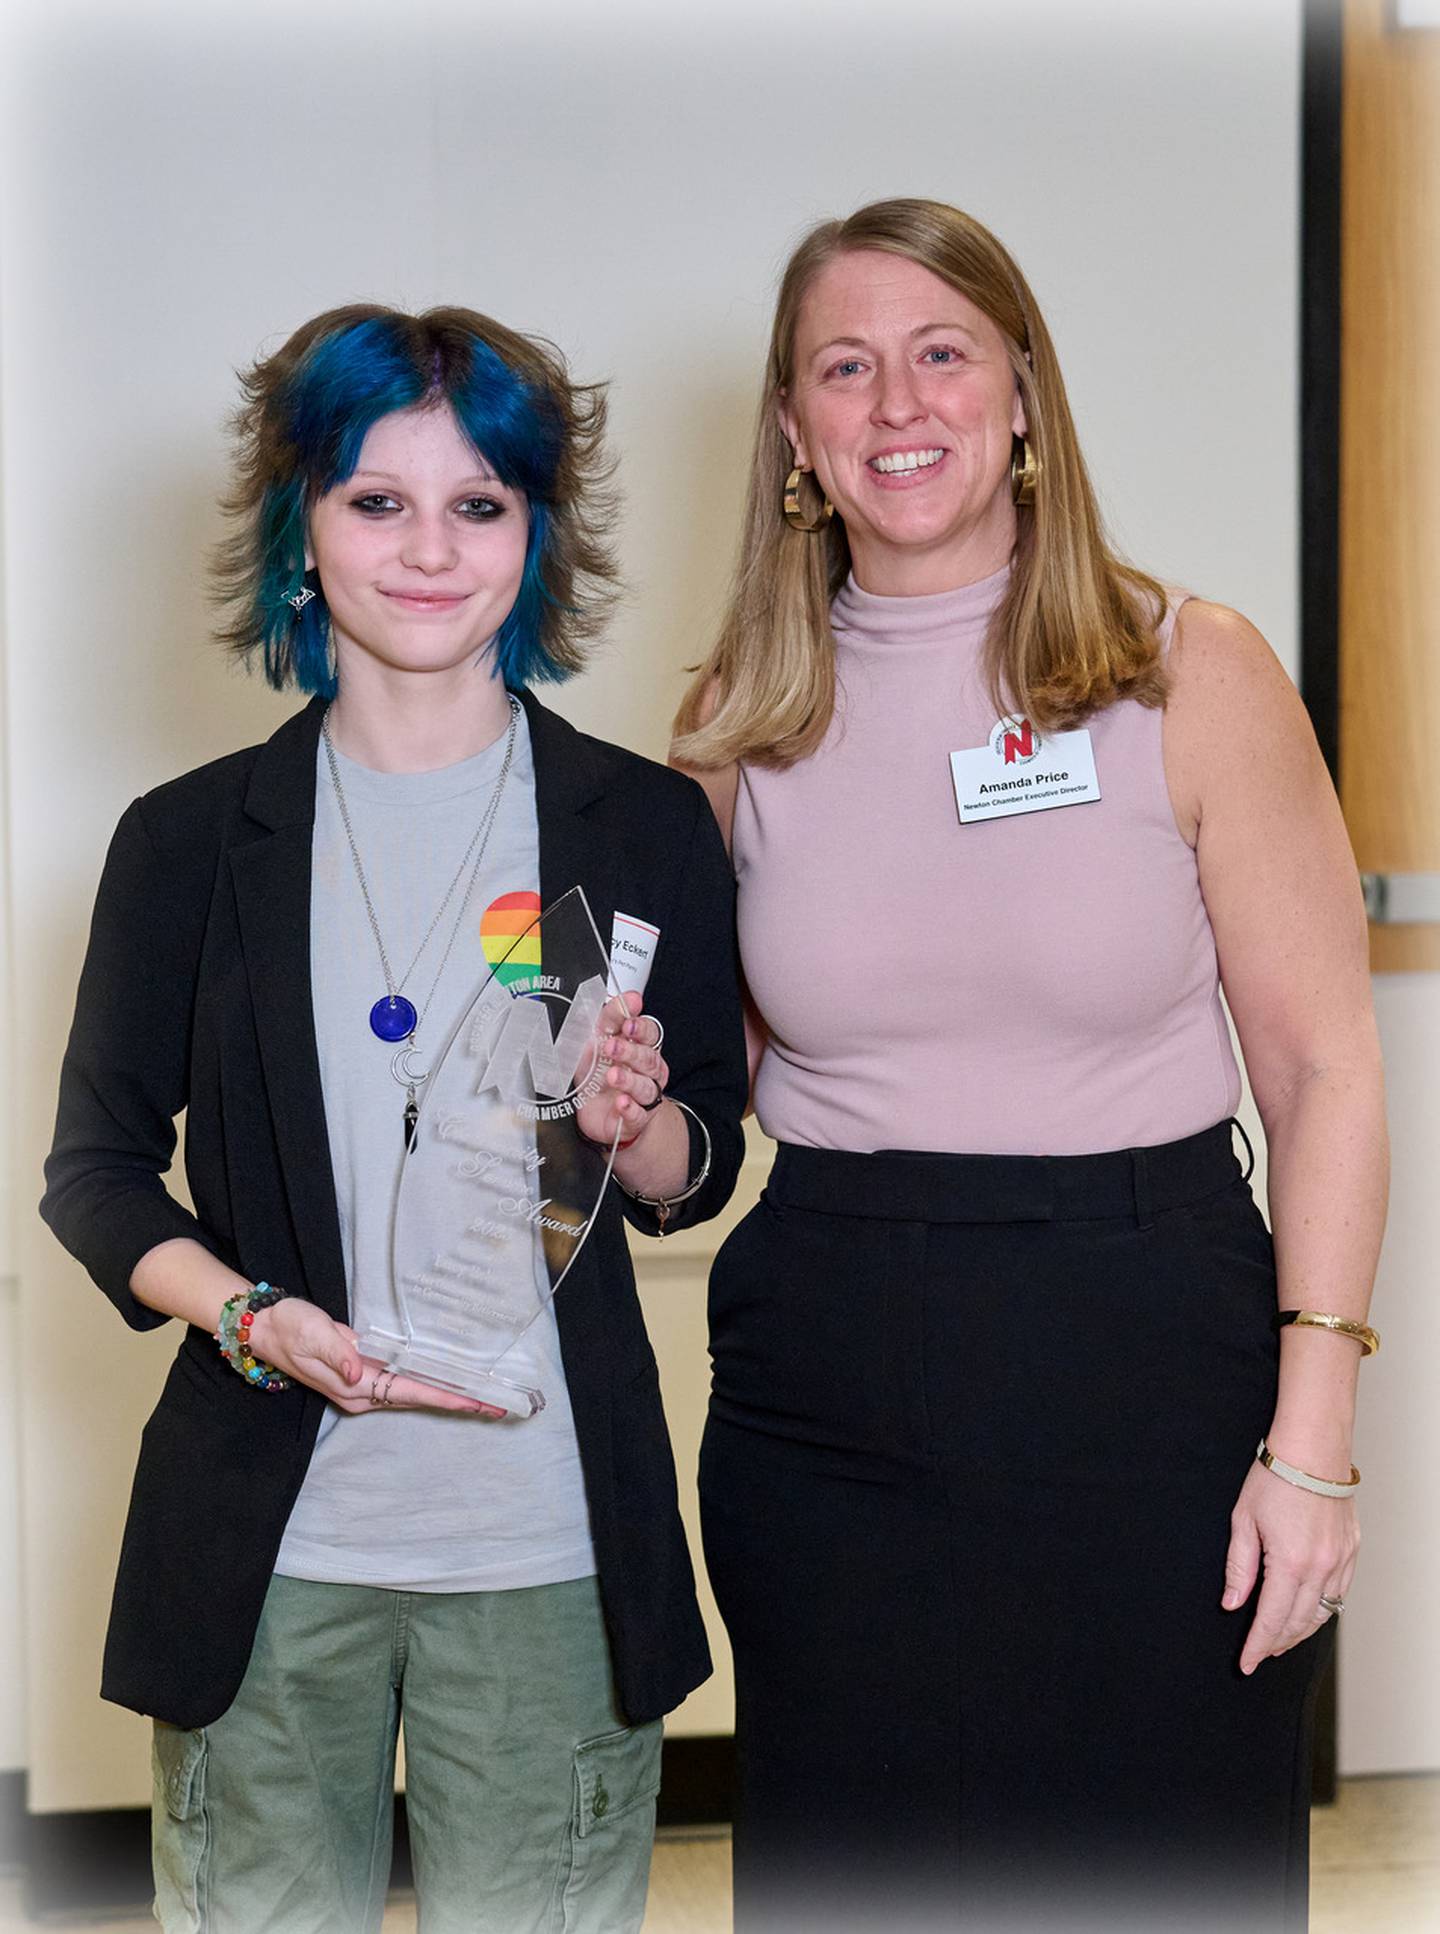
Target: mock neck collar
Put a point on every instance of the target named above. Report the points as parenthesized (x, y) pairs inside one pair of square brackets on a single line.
[(865, 620)]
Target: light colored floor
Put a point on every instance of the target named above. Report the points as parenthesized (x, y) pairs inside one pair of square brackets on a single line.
[(1375, 1859), (1375, 1869), (690, 1886)]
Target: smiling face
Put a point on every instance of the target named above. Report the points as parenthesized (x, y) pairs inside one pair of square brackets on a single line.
[(903, 401), (420, 552)]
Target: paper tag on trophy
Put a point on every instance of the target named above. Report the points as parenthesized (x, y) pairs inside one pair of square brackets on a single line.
[(1019, 771), (632, 948)]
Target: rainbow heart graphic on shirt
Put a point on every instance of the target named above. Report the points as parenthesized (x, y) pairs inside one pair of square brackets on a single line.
[(502, 925)]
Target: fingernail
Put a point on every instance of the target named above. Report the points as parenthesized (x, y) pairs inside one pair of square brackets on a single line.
[(1230, 1600)]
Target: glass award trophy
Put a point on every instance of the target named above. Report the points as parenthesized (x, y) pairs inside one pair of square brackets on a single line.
[(499, 1188)]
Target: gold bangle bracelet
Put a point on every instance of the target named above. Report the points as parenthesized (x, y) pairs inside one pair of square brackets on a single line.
[(1325, 1487), (1314, 1319)]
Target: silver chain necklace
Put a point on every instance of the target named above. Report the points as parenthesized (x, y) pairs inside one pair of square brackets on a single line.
[(394, 1018)]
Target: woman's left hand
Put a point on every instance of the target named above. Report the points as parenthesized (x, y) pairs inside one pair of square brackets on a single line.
[(1307, 1544), (635, 1072)]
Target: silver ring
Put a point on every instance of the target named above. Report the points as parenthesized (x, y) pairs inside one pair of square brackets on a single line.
[(659, 1027), (1335, 1606), (383, 1401), (375, 1385)]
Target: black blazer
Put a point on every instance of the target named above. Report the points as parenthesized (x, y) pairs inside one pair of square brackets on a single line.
[(196, 996)]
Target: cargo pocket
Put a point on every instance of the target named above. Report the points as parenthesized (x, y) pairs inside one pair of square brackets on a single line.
[(612, 1831), (179, 1829)]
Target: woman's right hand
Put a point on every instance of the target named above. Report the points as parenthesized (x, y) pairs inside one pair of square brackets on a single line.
[(299, 1340)]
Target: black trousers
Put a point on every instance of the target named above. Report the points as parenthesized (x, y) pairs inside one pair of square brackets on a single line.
[(977, 1427)]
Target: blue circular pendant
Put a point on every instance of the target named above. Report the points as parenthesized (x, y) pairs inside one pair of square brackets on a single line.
[(393, 1018)]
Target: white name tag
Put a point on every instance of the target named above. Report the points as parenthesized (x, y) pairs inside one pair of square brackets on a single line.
[(632, 948), (1021, 772)]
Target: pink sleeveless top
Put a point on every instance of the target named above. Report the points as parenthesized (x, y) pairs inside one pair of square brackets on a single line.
[(1043, 984)]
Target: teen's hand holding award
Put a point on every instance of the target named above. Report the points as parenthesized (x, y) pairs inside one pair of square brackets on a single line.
[(652, 1154), (292, 1336)]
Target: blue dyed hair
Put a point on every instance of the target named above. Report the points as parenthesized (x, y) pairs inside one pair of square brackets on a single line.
[(299, 433)]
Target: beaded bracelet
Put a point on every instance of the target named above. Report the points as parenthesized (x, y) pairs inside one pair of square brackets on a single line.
[(232, 1333)]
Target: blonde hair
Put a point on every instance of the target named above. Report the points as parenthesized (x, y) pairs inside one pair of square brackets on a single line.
[(1076, 629)]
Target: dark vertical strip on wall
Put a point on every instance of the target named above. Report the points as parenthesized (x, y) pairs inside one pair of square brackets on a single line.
[(1320, 372), (1320, 173)]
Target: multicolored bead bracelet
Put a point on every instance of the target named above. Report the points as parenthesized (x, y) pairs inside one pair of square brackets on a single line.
[(232, 1333)]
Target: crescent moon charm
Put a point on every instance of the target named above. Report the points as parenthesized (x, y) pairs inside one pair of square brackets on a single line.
[(407, 1076)]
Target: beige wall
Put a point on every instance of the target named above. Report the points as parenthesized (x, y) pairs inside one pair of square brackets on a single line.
[(187, 185)]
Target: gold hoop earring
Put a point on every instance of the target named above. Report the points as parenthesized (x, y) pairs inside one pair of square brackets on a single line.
[(1024, 471), (794, 516)]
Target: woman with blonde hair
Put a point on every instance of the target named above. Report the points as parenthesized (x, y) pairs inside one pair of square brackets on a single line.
[(1026, 1631)]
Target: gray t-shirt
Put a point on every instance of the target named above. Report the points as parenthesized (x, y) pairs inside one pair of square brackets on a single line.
[(417, 1500)]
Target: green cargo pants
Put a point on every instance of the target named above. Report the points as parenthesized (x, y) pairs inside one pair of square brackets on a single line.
[(531, 1804)]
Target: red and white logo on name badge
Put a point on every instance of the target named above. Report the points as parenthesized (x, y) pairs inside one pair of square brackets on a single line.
[(1015, 741), (1019, 771)]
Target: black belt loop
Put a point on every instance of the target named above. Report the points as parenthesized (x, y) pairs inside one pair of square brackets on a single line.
[(1140, 1180), (1235, 1122)]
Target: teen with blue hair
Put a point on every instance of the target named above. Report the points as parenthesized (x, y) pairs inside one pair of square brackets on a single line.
[(319, 1549)]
